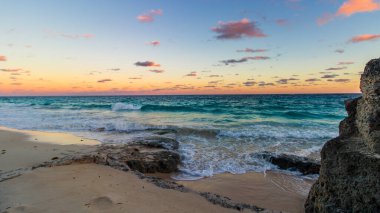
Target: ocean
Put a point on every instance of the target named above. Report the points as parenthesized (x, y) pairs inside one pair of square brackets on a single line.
[(217, 133)]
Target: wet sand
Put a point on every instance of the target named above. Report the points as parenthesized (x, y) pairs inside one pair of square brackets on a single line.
[(97, 188), (272, 190)]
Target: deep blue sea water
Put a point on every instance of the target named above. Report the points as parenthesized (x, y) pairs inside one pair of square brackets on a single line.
[(216, 133)]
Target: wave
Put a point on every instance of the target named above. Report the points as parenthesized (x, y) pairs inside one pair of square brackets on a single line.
[(124, 107)]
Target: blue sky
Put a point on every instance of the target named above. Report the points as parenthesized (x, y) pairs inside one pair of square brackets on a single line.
[(69, 47)]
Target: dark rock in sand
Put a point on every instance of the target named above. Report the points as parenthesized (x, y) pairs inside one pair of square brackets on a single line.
[(292, 162), (158, 142), (349, 178)]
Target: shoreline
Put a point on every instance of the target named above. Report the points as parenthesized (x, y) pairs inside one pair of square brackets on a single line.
[(26, 149)]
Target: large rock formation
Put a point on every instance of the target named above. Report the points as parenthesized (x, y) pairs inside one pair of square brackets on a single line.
[(349, 178)]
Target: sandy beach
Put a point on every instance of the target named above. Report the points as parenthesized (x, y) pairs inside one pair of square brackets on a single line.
[(98, 188)]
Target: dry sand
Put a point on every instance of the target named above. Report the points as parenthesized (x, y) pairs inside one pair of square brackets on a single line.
[(96, 188)]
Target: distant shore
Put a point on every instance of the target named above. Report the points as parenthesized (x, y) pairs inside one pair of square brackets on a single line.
[(97, 188)]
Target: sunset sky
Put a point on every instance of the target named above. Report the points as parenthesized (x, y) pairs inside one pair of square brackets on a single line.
[(124, 47)]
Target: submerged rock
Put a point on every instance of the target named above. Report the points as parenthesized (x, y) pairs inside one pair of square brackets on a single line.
[(349, 178), (292, 162)]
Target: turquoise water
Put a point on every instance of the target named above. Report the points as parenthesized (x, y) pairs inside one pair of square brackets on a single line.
[(216, 133)]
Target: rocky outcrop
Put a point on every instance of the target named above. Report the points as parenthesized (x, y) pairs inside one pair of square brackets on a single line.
[(349, 178), (304, 165), (149, 155)]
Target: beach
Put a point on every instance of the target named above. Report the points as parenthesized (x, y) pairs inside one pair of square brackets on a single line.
[(89, 187)]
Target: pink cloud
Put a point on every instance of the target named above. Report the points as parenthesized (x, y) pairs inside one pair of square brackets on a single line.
[(147, 64), (350, 7), (154, 43), (237, 29), (149, 16), (282, 22), (88, 35), (364, 37), (358, 6), (3, 58), (325, 18)]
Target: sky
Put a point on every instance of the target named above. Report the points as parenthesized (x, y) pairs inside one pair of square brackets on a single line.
[(153, 47)]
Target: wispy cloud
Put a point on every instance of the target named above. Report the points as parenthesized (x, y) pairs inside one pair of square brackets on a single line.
[(10, 70), (245, 59), (345, 63), (154, 43), (312, 80), (237, 29), (149, 16), (339, 51), (3, 58), (282, 22), (157, 71), (364, 37), (147, 64), (335, 68), (342, 80), (250, 50), (104, 80), (325, 18), (249, 83), (330, 76), (192, 74)]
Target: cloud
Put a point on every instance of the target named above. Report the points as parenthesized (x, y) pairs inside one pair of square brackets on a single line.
[(149, 16), (3, 58), (339, 51), (115, 69), (237, 29), (263, 84), (157, 71), (10, 70), (345, 63), (358, 6), (350, 7), (85, 36), (249, 50), (286, 80), (312, 80), (214, 76), (135, 78), (364, 37), (330, 76), (342, 80), (104, 80), (282, 22), (147, 64), (245, 59), (335, 68), (249, 83), (154, 43), (192, 74), (325, 18)]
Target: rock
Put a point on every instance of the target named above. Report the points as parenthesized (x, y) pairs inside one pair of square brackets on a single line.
[(292, 162), (349, 179), (158, 142), (141, 157)]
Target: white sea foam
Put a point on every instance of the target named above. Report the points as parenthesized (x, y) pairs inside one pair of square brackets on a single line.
[(123, 106)]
